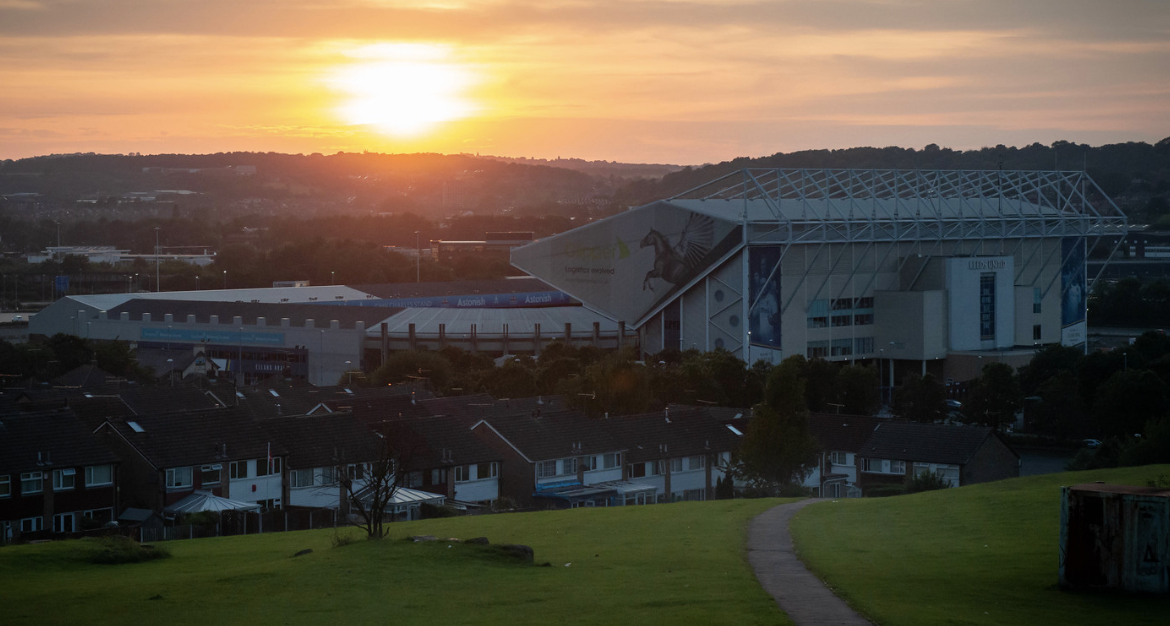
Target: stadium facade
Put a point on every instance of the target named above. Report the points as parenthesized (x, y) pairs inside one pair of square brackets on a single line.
[(927, 271)]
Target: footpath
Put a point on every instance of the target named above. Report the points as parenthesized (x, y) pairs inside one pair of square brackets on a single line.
[(800, 594)]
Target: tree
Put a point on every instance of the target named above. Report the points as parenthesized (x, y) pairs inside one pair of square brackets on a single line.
[(778, 448), (1058, 410), (1046, 363), (369, 488), (995, 397), (857, 390), (921, 399), (1128, 400), (401, 367)]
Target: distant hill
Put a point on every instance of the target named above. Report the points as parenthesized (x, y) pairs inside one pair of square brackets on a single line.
[(603, 169)]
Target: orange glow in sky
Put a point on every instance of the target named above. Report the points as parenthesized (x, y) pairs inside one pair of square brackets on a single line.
[(403, 90), (684, 81)]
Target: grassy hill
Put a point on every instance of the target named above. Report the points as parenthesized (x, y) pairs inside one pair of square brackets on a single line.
[(985, 554), (675, 564)]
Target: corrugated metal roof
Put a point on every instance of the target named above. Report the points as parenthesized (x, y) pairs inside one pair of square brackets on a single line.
[(552, 321)]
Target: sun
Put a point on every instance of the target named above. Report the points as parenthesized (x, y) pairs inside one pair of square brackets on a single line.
[(403, 90)]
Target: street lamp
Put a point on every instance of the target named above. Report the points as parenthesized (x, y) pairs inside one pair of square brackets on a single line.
[(225, 279), (197, 282), (349, 371), (171, 366), (156, 264), (331, 276)]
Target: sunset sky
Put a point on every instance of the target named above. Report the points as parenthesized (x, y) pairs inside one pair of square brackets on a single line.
[(685, 82)]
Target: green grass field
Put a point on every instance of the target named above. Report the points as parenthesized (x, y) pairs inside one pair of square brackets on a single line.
[(985, 554), (672, 564)]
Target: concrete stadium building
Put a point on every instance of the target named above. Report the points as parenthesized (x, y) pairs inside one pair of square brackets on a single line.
[(925, 271)]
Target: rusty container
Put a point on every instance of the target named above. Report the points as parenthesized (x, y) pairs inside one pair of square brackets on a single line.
[(1115, 537)]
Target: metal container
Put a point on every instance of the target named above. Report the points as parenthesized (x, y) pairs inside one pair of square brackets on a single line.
[(1115, 537)]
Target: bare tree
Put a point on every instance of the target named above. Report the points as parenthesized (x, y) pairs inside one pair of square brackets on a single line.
[(368, 488)]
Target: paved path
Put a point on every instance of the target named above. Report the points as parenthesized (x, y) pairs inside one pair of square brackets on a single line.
[(798, 592)]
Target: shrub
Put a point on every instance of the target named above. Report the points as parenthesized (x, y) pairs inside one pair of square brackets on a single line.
[(116, 549), (340, 540), (926, 481), (885, 491), (431, 511)]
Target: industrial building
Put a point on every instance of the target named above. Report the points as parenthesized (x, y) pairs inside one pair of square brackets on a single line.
[(319, 333), (923, 271)]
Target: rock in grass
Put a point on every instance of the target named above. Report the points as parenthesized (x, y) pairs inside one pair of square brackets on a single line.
[(303, 552), (524, 553), (483, 541)]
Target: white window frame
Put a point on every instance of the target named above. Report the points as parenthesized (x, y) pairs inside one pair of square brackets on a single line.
[(215, 467), (546, 469), (696, 462), (838, 457), (439, 476), (175, 474), (6, 486), (897, 467), (37, 524), (657, 468), (611, 461), (461, 473), (234, 472), (569, 466), (676, 465), (59, 476), (329, 476), (58, 522), (91, 479), (32, 477), (296, 478)]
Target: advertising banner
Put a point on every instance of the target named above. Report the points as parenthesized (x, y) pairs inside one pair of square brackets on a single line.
[(185, 335), (764, 295), (626, 265), (1074, 295)]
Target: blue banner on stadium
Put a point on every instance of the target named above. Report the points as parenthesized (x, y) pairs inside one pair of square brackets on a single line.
[(212, 336)]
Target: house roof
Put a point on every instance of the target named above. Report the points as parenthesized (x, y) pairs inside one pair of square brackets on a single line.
[(481, 406), (455, 288), (846, 433), (552, 435), (85, 376), (195, 437), (926, 443), (207, 501), (54, 438), (249, 312), (689, 431), (441, 441), (322, 440)]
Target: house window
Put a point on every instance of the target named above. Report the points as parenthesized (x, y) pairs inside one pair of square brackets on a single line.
[(545, 469), (1036, 300), (897, 467), (210, 474), (1036, 332), (31, 482), (589, 462), (64, 479), (637, 470), (658, 468), (570, 467), (99, 515), (238, 470), (697, 462), (329, 475), (356, 471), (414, 480), (264, 467), (178, 477), (841, 347), (487, 470), (439, 476), (839, 457), (676, 465), (63, 523), (301, 478), (610, 461), (5, 486), (872, 465), (921, 468), (98, 475), (32, 524), (461, 474), (842, 320)]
